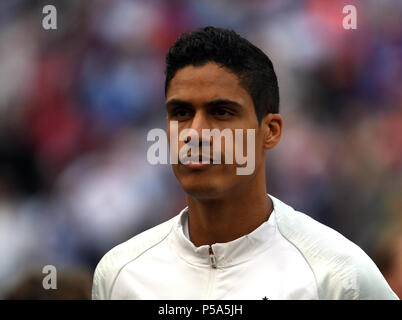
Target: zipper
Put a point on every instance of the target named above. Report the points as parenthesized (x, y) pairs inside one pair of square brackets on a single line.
[(212, 257), (212, 274)]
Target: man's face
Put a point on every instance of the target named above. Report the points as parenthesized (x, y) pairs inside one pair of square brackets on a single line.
[(210, 97)]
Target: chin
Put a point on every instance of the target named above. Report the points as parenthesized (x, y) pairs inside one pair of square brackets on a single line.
[(205, 184), (202, 189)]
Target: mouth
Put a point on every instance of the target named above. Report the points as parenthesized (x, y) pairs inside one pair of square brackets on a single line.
[(196, 162), (197, 165)]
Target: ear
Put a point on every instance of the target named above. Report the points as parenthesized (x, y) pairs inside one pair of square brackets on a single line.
[(272, 129)]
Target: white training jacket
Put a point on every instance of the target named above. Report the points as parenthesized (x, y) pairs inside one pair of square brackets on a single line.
[(290, 256)]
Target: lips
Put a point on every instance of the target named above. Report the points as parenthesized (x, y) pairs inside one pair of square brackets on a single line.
[(197, 166), (195, 162)]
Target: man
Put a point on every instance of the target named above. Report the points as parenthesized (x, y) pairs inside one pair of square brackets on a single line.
[(233, 240)]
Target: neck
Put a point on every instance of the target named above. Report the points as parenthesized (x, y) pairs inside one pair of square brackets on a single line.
[(231, 216)]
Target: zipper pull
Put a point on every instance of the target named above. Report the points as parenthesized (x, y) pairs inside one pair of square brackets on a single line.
[(212, 257)]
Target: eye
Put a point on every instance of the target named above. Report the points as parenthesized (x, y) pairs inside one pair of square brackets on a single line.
[(181, 113), (222, 112)]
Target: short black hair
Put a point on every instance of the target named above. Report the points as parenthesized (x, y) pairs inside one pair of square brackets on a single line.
[(228, 49)]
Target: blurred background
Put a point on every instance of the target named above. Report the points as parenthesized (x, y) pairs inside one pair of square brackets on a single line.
[(76, 105)]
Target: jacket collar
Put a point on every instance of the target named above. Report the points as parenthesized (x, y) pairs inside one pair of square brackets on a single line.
[(228, 253)]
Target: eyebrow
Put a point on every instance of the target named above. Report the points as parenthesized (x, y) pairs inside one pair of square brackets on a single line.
[(223, 102), (212, 103), (178, 103)]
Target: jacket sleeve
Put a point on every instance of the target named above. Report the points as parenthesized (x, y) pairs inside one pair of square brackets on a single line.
[(113, 262), (362, 280), (341, 268), (104, 276)]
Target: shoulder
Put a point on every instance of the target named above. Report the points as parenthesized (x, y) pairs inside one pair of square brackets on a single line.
[(341, 268), (114, 260)]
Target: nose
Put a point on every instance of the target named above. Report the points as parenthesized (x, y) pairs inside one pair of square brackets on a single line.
[(198, 123)]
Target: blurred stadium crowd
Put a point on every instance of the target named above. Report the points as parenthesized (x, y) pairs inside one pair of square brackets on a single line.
[(76, 105)]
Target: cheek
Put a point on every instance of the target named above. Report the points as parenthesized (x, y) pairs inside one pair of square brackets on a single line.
[(259, 153), (242, 144), (246, 145)]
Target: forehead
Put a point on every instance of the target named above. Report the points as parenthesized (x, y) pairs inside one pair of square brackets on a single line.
[(207, 82)]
